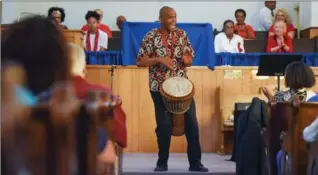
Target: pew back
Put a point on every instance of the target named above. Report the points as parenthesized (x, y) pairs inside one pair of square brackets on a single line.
[(292, 119), (56, 138)]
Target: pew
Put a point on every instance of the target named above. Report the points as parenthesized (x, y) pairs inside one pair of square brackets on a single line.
[(313, 159), (291, 118), (58, 137)]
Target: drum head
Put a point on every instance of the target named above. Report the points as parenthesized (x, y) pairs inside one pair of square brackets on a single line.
[(177, 86)]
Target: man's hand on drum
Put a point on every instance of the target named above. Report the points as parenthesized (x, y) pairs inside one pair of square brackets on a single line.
[(187, 58), (167, 62)]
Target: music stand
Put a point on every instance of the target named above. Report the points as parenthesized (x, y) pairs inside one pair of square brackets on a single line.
[(275, 65)]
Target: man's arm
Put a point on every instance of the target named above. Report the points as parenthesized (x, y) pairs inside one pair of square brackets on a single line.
[(217, 44), (188, 52)]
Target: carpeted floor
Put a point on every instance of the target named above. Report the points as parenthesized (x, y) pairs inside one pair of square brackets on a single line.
[(135, 163)]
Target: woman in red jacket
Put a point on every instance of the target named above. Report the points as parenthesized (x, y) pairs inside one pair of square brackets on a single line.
[(279, 42)]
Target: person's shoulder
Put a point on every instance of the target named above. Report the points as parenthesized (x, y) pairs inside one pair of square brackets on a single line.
[(102, 33), (152, 32), (272, 37), (220, 35), (180, 31), (249, 26), (238, 37), (85, 27), (264, 10), (104, 25)]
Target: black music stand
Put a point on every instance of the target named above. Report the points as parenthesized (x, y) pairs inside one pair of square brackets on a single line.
[(275, 65)]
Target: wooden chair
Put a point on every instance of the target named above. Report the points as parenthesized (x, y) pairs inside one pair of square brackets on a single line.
[(312, 168), (56, 138), (291, 118), (226, 109)]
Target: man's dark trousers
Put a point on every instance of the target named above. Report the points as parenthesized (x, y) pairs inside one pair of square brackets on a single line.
[(163, 132)]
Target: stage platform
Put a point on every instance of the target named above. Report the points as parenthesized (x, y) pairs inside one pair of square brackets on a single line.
[(144, 163)]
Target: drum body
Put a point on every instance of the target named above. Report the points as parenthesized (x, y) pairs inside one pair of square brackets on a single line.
[(177, 94)]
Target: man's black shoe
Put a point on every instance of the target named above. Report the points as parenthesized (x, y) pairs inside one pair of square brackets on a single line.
[(161, 168), (200, 168)]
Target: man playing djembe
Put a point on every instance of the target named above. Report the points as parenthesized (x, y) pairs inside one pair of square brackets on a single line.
[(167, 52)]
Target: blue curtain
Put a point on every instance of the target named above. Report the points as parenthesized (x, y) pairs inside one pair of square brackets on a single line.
[(200, 36), (252, 59), (220, 59), (104, 58)]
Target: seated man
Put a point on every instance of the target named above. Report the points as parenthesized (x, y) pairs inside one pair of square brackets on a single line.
[(101, 26), (310, 133), (81, 89), (228, 41), (94, 39)]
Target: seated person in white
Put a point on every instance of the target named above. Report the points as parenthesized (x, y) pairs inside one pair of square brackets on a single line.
[(228, 41), (94, 39), (310, 133)]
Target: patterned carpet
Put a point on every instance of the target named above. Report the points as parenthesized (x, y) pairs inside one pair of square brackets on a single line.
[(135, 164)]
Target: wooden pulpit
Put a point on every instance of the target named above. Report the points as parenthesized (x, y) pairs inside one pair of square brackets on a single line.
[(74, 36)]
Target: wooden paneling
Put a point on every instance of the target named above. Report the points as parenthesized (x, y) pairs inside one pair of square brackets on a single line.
[(310, 32), (74, 36), (131, 83)]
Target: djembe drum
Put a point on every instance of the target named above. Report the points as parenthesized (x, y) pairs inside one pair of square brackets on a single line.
[(177, 94)]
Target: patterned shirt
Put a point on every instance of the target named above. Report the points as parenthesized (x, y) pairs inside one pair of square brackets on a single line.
[(288, 95), (174, 44)]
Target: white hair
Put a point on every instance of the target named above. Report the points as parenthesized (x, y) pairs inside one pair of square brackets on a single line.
[(78, 59)]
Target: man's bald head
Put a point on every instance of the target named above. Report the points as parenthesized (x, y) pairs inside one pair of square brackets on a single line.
[(168, 18), (120, 20), (164, 10)]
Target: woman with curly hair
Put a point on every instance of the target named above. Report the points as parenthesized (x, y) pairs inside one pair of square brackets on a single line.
[(283, 15), (57, 14)]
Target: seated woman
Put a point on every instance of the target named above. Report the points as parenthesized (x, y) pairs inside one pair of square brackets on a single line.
[(279, 43), (299, 77), (94, 39), (283, 15), (244, 30), (57, 14), (228, 41)]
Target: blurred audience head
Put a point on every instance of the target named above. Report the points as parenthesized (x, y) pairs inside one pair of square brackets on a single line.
[(282, 14), (280, 28), (92, 19), (228, 28), (78, 60), (240, 16), (120, 20), (168, 18), (40, 48), (271, 4), (299, 75), (57, 14), (101, 14)]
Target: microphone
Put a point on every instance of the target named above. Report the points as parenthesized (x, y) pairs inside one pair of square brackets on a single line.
[(24, 13)]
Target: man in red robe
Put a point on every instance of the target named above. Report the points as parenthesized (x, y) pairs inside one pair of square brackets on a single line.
[(82, 87), (101, 26)]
